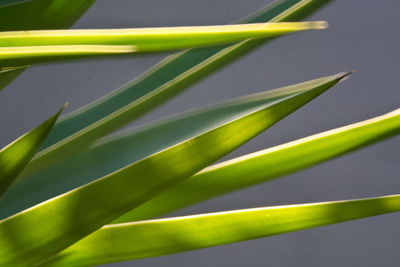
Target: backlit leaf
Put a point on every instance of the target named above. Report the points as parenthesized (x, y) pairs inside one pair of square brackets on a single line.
[(39, 233), (152, 238)]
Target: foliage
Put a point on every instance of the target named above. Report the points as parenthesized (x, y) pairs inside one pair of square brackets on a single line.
[(117, 184)]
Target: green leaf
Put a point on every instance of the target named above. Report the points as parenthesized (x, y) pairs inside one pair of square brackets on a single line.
[(267, 164), (83, 138), (39, 233), (41, 14), (16, 155), (7, 75), (54, 14), (137, 144), (4, 3), (28, 47), (152, 238), (176, 73)]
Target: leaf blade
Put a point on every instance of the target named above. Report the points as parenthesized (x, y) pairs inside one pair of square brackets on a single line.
[(27, 47), (83, 138), (137, 144), (176, 73), (8, 75), (64, 220), (11, 2), (15, 156), (268, 164), (55, 14), (173, 235)]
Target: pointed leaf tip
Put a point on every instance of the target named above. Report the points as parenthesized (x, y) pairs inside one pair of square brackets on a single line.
[(15, 156)]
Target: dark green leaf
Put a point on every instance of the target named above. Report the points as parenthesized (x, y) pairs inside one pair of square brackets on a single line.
[(42, 14), (4, 3)]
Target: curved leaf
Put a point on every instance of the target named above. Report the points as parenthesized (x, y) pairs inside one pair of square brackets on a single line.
[(176, 73), (137, 144), (152, 238), (268, 164), (39, 233), (16, 155)]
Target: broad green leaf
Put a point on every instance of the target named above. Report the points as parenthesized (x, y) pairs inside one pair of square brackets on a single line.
[(54, 14), (27, 47), (39, 233), (7, 75), (152, 238), (16, 155), (176, 73), (137, 144), (268, 164)]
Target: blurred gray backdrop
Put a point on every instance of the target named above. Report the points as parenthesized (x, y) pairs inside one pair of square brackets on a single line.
[(363, 36)]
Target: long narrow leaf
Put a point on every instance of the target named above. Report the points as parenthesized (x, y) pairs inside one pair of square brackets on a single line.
[(268, 164), (54, 14), (177, 72), (144, 239), (116, 152), (16, 155), (28, 47), (39, 233), (83, 138)]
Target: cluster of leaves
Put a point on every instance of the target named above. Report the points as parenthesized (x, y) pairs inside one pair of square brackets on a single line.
[(75, 194)]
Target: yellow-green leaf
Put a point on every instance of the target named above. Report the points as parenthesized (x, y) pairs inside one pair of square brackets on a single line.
[(268, 164), (177, 72), (54, 14), (28, 47), (152, 238), (15, 156), (83, 138), (136, 144), (37, 234)]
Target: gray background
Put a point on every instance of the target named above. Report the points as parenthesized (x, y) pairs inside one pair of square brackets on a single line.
[(363, 36)]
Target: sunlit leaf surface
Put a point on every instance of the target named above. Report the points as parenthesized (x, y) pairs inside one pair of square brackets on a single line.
[(102, 127), (137, 144), (176, 73), (268, 164), (39, 233), (152, 238), (27, 47), (54, 14), (16, 155)]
